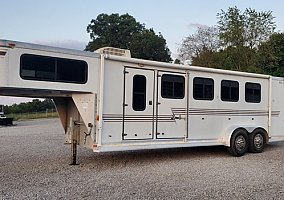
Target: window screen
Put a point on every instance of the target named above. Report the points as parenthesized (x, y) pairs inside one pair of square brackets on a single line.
[(203, 88), (44, 68), (230, 91), (172, 86), (253, 92), (139, 93)]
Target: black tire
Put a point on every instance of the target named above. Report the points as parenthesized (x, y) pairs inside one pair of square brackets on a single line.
[(257, 141), (239, 143)]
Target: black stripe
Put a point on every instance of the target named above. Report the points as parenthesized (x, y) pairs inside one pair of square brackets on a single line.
[(182, 112)]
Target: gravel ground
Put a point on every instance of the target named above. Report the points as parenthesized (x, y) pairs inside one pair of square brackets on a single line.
[(34, 165)]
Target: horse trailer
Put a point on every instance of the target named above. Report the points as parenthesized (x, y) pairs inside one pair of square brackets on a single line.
[(108, 101)]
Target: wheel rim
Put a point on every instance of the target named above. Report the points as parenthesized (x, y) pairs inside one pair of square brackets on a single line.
[(258, 141), (240, 143)]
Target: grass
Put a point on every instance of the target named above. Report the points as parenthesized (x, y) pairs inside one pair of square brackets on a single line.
[(36, 115)]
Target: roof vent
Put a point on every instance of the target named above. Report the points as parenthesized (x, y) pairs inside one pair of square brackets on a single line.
[(114, 51)]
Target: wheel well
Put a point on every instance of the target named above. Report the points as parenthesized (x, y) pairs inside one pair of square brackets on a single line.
[(240, 128), (249, 129), (237, 129)]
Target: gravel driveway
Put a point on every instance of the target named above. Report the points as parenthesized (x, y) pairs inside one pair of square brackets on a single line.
[(34, 165)]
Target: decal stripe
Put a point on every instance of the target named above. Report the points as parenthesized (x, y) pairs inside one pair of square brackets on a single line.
[(181, 112)]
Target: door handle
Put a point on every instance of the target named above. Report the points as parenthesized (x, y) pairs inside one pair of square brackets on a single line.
[(150, 103)]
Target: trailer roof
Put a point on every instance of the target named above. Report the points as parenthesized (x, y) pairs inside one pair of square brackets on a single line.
[(184, 67), (12, 44), (16, 44)]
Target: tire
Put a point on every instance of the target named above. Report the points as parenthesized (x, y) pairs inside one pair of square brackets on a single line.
[(239, 143), (257, 141)]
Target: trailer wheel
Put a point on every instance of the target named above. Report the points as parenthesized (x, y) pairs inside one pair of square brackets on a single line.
[(257, 141), (239, 143)]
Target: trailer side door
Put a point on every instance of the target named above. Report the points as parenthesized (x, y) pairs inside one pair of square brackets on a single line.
[(138, 108), (171, 116)]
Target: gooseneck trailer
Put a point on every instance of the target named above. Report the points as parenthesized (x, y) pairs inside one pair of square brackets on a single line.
[(108, 101)]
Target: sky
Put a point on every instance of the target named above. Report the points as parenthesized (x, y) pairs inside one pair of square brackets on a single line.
[(63, 23)]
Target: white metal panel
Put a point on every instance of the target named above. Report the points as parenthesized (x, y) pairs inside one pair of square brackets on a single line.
[(138, 124), (113, 102), (171, 116), (212, 119), (277, 124), (15, 81)]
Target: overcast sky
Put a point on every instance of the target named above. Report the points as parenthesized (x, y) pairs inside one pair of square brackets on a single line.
[(63, 22)]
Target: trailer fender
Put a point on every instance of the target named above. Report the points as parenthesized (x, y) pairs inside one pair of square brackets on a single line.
[(228, 133)]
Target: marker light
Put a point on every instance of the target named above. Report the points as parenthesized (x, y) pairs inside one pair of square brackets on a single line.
[(7, 44)]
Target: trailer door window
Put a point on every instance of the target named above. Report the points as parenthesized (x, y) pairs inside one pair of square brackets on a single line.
[(253, 92), (139, 93), (45, 68), (172, 86), (203, 88), (230, 90)]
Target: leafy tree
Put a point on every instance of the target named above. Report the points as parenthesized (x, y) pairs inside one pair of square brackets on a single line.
[(245, 29), (200, 45), (236, 42), (242, 33), (34, 106), (123, 31), (271, 55)]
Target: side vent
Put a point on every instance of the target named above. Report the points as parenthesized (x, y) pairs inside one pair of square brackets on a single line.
[(114, 51)]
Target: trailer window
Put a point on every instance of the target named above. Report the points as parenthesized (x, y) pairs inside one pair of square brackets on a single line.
[(45, 68), (203, 88), (253, 92), (139, 93), (230, 90), (172, 86)]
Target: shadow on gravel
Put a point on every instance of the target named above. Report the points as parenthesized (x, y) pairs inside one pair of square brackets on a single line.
[(145, 157), (158, 156), (273, 146)]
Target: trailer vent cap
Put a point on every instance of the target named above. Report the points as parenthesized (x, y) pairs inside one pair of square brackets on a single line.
[(114, 51)]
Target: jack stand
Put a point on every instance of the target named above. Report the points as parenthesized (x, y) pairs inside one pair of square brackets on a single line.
[(73, 152)]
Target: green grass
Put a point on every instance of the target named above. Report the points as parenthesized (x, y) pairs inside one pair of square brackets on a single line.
[(27, 116)]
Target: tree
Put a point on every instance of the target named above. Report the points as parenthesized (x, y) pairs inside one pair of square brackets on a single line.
[(200, 44), (245, 29), (123, 31), (242, 33), (234, 43), (34, 106), (271, 55)]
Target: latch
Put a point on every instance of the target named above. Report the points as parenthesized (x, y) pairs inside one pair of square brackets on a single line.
[(90, 125)]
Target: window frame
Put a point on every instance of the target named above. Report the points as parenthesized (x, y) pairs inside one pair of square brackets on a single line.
[(56, 70), (255, 84), (134, 94), (230, 90), (203, 88), (173, 96)]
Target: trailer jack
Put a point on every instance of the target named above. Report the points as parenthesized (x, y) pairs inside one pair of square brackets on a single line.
[(73, 152)]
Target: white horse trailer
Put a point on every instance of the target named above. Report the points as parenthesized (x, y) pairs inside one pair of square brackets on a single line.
[(108, 101)]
